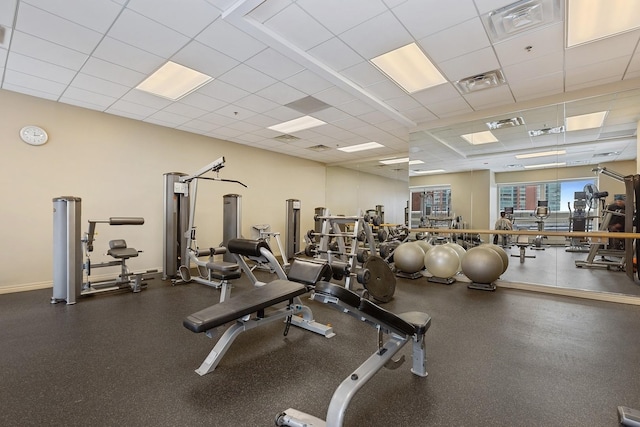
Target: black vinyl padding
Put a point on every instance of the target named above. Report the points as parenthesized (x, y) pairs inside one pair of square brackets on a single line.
[(422, 321), (119, 250), (410, 323), (343, 294), (247, 247), (126, 220), (386, 317), (246, 303), (308, 272)]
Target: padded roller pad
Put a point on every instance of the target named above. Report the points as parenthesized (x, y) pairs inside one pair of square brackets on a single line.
[(343, 294), (125, 220), (246, 303), (387, 318), (308, 272), (422, 321), (247, 247)]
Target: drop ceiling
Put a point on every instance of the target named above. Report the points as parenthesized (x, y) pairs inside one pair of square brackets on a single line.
[(277, 60)]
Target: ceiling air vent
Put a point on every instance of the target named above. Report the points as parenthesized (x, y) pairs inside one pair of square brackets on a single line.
[(546, 131), (487, 80), (609, 154), (505, 123), (287, 138), (319, 148)]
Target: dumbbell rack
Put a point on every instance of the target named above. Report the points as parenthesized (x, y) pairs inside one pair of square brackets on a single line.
[(349, 252)]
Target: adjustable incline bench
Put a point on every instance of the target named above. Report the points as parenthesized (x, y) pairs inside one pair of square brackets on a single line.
[(248, 309), (400, 329)]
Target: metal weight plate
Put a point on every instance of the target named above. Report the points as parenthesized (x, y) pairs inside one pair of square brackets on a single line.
[(382, 284)]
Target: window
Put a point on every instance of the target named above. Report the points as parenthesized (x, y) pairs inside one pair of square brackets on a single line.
[(560, 196), (431, 206)]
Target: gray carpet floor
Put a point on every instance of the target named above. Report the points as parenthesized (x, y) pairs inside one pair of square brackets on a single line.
[(504, 358)]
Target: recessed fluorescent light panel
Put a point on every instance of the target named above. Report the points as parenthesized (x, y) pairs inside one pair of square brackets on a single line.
[(590, 20), (427, 172), (585, 121), (546, 131), (401, 160), (505, 123), (173, 81), (541, 154), (409, 68), (296, 125), (545, 165), (361, 147), (478, 138), (521, 16), (482, 81)]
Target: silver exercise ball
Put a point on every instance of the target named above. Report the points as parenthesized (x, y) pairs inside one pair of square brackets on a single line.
[(459, 250), (426, 246), (442, 261), (409, 258), (501, 252), (482, 264)]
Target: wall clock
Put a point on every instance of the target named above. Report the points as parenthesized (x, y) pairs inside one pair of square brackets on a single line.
[(33, 135)]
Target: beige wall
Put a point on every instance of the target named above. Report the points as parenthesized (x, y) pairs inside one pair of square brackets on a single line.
[(116, 166)]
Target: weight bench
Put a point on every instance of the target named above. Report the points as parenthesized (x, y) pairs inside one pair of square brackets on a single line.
[(248, 310), (400, 329)]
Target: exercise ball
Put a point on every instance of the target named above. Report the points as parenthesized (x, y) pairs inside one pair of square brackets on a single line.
[(459, 250), (501, 252), (442, 261), (426, 246), (482, 264), (409, 258)]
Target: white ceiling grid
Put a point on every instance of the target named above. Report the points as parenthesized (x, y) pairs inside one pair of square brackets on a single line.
[(264, 55)]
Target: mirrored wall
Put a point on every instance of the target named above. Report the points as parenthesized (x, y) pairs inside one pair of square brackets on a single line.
[(527, 157)]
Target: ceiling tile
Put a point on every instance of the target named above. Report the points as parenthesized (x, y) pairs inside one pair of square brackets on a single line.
[(419, 17), (298, 28), (369, 41), (95, 14), (98, 100), (37, 68), (44, 50), (602, 50), (44, 25), (229, 40), (143, 33), (117, 52), (364, 74), (7, 12), (188, 18), (280, 93), (274, 64), (336, 54), (32, 84), (541, 43), (112, 72), (540, 66), (202, 101), (202, 58), (223, 91), (458, 40), (98, 85), (474, 63), (308, 82), (247, 78), (352, 13)]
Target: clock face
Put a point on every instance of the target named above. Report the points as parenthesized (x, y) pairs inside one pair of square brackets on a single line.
[(33, 135)]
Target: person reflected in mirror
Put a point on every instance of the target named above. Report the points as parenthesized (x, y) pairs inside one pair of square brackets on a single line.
[(503, 223)]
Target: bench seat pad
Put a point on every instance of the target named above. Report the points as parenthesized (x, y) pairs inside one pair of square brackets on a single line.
[(245, 303)]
